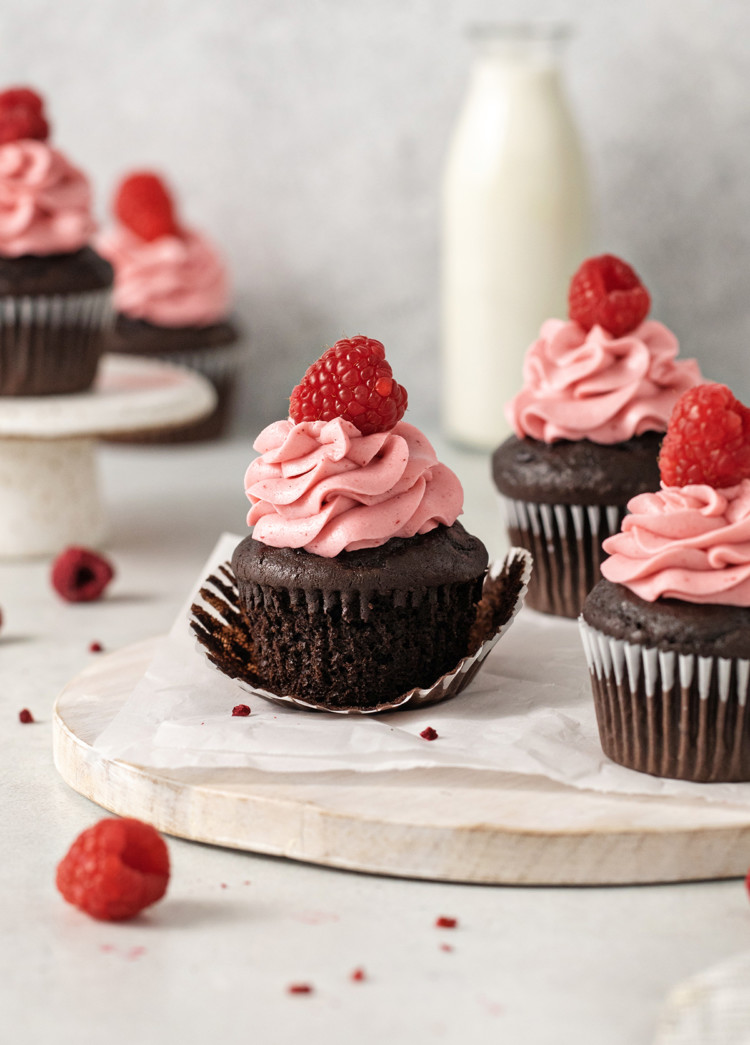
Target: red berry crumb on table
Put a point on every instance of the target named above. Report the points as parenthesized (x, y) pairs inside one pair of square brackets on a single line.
[(358, 975), (81, 575), (144, 205), (240, 711), (95, 647), (429, 733), (300, 988), (115, 869), (351, 380), (25, 716), (608, 292), (707, 440), (444, 922), (22, 115)]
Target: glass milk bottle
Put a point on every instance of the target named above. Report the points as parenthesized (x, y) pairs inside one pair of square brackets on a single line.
[(515, 224)]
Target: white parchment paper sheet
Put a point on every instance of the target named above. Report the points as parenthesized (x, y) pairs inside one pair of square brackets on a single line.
[(529, 711)]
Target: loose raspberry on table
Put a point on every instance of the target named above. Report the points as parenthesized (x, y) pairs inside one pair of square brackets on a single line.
[(115, 869), (22, 115), (25, 716), (240, 711), (428, 733), (144, 204), (443, 922), (607, 291), (707, 440), (81, 575), (351, 380)]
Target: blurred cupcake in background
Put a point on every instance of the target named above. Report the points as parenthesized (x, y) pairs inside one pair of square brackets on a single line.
[(55, 291), (172, 297)]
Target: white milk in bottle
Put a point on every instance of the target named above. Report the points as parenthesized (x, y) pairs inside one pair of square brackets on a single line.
[(515, 224)]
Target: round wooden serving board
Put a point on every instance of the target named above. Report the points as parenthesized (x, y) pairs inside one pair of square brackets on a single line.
[(451, 825)]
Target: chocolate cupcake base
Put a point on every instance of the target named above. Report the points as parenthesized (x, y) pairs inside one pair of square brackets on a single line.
[(665, 705)]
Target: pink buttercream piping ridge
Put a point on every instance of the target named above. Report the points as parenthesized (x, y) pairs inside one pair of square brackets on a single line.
[(589, 385), (325, 487), (690, 543)]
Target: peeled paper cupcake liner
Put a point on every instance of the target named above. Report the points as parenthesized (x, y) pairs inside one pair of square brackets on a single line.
[(217, 622), (670, 714), (33, 358), (565, 543)]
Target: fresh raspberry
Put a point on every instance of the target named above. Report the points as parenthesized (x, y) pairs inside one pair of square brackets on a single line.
[(351, 380), (22, 115), (607, 291), (143, 203), (115, 869), (428, 733), (446, 923), (25, 716), (80, 575), (240, 710), (707, 440)]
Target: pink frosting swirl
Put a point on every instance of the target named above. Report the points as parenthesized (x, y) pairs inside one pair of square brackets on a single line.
[(172, 281), (45, 202), (325, 487), (685, 542), (580, 385)]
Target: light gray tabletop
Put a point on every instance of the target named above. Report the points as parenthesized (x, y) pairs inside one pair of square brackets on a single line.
[(213, 961)]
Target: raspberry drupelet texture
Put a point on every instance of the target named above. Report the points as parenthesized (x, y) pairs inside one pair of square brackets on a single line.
[(351, 380), (22, 115), (607, 291), (145, 206), (81, 575), (707, 440), (115, 869)]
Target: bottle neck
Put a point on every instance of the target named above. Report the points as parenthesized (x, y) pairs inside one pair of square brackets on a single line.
[(517, 48)]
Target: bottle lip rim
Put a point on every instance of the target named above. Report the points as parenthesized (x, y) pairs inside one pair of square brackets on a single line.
[(536, 29)]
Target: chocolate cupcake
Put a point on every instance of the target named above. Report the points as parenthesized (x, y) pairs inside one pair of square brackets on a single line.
[(172, 299), (55, 291), (357, 584), (667, 631), (587, 423)]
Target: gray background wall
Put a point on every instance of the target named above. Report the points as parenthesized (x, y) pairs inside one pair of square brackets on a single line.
[(307, 136)]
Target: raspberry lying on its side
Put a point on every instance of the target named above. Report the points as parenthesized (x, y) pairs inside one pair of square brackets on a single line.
[(80, 575), (115, 869), (707, 440), (143, 203), (607, 291), (22, 115), (351, 380)]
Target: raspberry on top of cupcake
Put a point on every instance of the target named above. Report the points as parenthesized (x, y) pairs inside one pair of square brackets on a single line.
[(691, 539), (45, 201), (166, 273), (607, 374), (358, 584), (345, 472)]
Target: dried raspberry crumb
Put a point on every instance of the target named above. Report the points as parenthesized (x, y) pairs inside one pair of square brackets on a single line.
[(429, 733), (351, 380), (25, 716), (707, 440), (446, 947), (444, 922), (607, 291), (22, 116), (95, 647), (240, 710), (358, 975), (81, 575), (144, 205), (115, 869), (300, 988)]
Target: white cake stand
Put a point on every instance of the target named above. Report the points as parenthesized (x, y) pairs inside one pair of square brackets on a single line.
[(49, 490)]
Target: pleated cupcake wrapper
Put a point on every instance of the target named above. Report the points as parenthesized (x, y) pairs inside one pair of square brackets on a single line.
[(217, 364), (30, 326), (667, 713), (214, 633), (565, 542)]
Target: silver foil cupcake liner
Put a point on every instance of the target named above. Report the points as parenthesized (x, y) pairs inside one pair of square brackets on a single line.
[(217, 623), (565, 541), (51, 343), (670, 714)]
